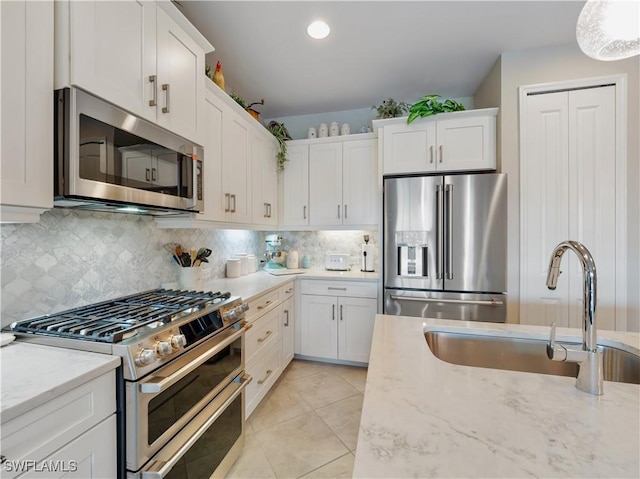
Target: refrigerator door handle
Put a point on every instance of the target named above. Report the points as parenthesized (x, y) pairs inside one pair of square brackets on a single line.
[(480, 302), (448, 205), (438, 232)]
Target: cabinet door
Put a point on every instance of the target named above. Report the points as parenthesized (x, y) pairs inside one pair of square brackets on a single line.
[(92, 455), (295, 187), (359, 182), (466, 144), (180, 67), (355, 328), (214, 204), (236, 167), (409, 148), (137, 165), (113, 52), (288, 331), (318, 329), (26, 166), (325, 184), (264, 179)]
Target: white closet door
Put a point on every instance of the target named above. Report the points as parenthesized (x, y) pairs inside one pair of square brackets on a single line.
[(592, 200), (545, 207)]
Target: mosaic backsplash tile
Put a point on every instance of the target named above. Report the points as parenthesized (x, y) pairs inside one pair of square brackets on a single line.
[(72, 258)]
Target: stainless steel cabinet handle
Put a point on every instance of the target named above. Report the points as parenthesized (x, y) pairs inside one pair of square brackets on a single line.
[(338, 211), (269, 210), (333, 288), (345, 211), (155, 385), (333, 312), (265, 304), (479, 302), (266, 210), (227, 198), (431, 154), (441, 153), (438, 232), (162, 468), (304, 212), (147, 174), (340, 312), (154, 174), (262, 381), (288, 291), (154, 101), (286, 312), (233, 197), (166, 88), (449, 212), (264, 338)]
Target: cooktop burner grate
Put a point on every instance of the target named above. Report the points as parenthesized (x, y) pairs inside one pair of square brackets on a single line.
[(114, 320)]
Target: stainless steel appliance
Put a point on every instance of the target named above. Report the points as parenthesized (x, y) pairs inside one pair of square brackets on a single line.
[(274, 254), (445, 243), (180, 387), (108, 159)]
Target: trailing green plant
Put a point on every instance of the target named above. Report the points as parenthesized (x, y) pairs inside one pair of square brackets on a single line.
[(390, 108), (238, 99), (430, 105), (282, 135)]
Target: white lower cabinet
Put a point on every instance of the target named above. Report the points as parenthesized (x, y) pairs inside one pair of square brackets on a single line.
[(336, 319), (72, 435), (288, 331)]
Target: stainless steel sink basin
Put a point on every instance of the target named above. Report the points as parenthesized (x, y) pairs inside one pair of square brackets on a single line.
[(527, 355)]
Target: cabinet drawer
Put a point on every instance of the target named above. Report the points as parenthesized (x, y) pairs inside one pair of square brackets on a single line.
[(288, 291), (38, 433), (361, 289), (262, 333), (264, 369), (262, 304)]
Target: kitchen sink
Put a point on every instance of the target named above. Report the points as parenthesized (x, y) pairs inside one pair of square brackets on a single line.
[(527, 355)]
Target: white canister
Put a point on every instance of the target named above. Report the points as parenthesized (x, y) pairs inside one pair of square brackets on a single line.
[(292, 259), (233, 268), (253, 263), (312, 133), (323, 131), (244, 263), (345, 129), (334, 129)]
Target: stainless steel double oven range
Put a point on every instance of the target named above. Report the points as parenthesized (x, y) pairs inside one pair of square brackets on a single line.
[(180, 386)]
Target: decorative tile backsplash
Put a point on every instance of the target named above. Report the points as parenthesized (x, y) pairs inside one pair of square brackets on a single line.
[(71, 258)]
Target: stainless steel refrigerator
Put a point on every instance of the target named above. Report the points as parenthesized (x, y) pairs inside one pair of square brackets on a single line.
[(445, 246)]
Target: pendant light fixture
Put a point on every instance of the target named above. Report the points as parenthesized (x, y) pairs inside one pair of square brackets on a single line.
[(609, 29)]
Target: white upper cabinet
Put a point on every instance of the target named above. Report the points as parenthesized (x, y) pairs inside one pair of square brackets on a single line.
[(325, 184), (264, 175), (144, 57), (236, 168), (26, 162), (459, 141), (294, 202), (359, 184)]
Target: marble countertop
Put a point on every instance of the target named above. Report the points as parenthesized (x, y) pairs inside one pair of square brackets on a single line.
[(33, 374), (423, 417), (255, 284)]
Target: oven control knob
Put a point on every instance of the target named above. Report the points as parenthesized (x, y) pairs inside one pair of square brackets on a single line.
[(229, 315), (178, 341), (245, 306), (163, 348), (145, 357)]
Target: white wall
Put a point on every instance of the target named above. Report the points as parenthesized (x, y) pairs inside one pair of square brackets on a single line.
[(550, 64)]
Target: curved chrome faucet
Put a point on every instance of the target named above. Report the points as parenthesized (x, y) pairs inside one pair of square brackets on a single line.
[(589, 358)]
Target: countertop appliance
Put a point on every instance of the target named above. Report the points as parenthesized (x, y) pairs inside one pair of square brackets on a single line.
[(445, 244), (366, 261), (180, 386), (106, 159), (337, 261), (274, 254)]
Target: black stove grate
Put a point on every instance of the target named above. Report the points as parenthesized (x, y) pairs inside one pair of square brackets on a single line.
[(114, 320)]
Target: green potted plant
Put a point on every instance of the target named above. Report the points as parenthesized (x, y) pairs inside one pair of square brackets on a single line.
[(390, 108), (238, 99), (282, 135), (430, 105)]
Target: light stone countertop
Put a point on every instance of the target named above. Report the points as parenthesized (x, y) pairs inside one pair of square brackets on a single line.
[(33, 374), (255, 284), (423, 417)]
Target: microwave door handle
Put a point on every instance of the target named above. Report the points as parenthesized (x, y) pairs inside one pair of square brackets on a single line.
[(194, 182), (166, 466), (162, 382)]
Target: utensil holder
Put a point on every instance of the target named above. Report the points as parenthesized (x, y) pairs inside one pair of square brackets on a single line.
[(191, 278)]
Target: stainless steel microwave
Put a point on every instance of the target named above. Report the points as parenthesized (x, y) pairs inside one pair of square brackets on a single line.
[(109, 160)]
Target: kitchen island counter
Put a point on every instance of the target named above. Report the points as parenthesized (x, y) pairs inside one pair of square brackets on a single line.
[(423, 417)]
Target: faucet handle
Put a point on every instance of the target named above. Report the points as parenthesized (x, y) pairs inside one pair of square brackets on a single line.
[(555, 352)]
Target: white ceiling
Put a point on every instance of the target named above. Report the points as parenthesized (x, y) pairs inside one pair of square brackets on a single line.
[(376, 49)]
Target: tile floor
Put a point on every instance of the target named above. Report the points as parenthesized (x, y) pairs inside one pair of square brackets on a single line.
[(306, 426)]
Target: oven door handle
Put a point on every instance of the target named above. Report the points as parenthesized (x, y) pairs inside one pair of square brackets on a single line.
[(477, 302), (166, 466), (157, 384)]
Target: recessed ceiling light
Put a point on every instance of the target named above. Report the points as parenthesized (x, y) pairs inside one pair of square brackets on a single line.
[(318, 30)]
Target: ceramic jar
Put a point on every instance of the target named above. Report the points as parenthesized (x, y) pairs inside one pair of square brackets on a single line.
[(345, 129), (334, 129), (292, 259), (312, 133), (323, 131)]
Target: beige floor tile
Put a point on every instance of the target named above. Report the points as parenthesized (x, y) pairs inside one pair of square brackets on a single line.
[(300, 445), (299, 368), (281, 404), (252, 462), (341, 468), (343, 417), (356, 376), (323, 388)]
